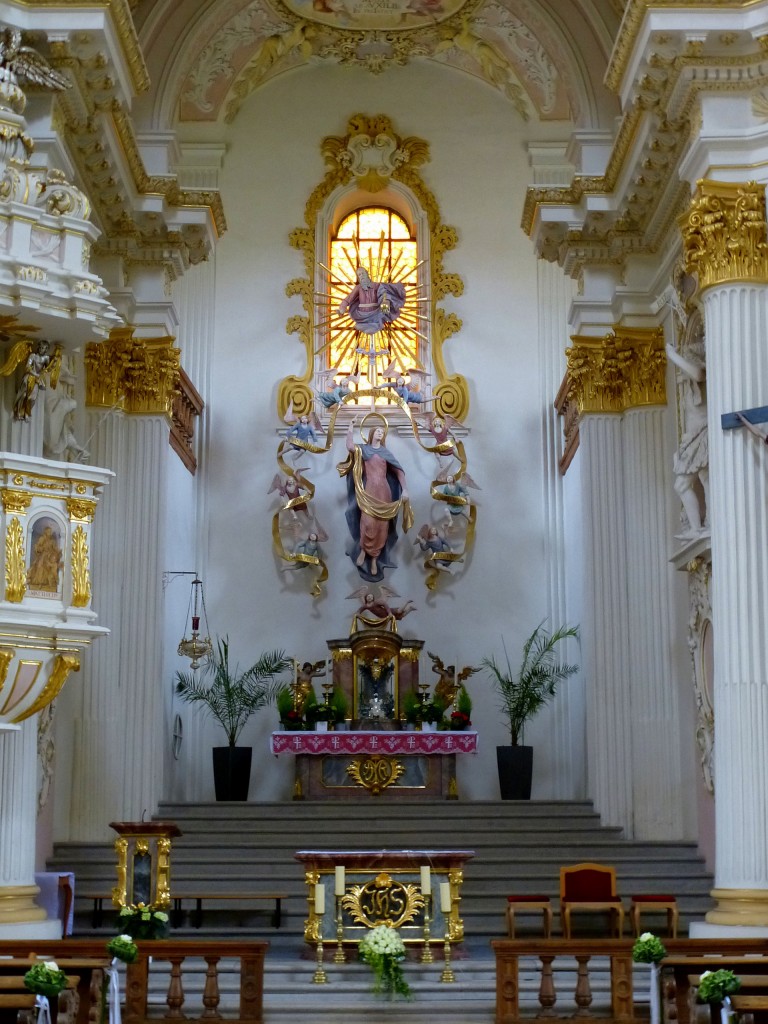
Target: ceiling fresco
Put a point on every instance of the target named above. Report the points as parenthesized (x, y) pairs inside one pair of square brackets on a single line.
[(510, 44)]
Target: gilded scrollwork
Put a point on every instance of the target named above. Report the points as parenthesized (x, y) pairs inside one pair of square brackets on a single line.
[(375, 772), (383, 900), (372, 153), (15, 568), (725, 233), (81, 576), (81, 509), (63, 664)]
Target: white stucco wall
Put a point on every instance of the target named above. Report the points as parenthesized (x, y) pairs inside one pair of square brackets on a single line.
[(478, 171)]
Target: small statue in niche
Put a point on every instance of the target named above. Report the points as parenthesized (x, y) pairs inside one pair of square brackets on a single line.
[(47, 560), (376, 611), (376, 492)]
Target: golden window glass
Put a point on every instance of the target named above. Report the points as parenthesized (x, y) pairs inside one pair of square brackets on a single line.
[(378, 240)]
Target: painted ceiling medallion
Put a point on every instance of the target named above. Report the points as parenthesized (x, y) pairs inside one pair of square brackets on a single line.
[(375, 15)]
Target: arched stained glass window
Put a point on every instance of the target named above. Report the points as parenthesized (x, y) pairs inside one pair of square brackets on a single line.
[(375, 322)]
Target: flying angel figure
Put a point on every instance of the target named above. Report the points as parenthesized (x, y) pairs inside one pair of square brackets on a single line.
[(413, 391), (440, 428), (334, 393), (309, 545), (289, 488), (433, 543), (376, 610), (450, 682), (27, 64), (304, 428)]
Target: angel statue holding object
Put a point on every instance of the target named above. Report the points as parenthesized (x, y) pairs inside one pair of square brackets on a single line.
[(449, 680), (41, 366), (376, 492)]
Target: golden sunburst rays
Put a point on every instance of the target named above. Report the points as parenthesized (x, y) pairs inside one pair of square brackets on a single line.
[(369, 358)]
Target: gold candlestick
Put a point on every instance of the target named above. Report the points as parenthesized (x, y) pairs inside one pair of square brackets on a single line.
[(338, 956), (319, 977), (447, 974), (426, 953)]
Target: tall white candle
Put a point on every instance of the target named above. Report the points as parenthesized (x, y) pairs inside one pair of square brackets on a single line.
[(426, 881), (445, 897), (319, 898), (339, 891)]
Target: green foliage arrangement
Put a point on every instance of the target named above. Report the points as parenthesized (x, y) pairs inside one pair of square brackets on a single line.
[(534, 685), (122, 947), (383, 950), (433, 711), (411, 707), (648, 949), (340, 705), (142, 922), (229, 695), (714, 986), (45, 979)]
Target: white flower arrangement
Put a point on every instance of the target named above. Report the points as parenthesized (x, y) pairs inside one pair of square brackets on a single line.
[(383, 949)]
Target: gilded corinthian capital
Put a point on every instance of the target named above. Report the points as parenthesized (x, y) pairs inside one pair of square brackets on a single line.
[(622, 370), (724, 233), (140, 375)]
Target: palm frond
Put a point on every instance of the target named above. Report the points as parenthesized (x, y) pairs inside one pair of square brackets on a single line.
[(535, 685), (228, 694)]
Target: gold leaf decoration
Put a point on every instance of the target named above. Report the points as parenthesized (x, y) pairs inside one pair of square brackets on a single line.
[(15, 575), (81, 577)]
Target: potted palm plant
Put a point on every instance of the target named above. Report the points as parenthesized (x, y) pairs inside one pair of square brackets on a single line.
[(522, 694), (231, 696)]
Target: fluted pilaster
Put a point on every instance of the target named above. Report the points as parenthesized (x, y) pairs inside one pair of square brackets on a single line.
[(566, 752), (656, 766)]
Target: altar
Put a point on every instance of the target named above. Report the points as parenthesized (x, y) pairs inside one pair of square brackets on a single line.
[(416, 891), (388, 765)]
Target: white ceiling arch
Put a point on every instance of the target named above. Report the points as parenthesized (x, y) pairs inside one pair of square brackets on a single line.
[(206, 56)]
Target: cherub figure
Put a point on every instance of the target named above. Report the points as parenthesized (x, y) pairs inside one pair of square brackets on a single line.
[(304, 428), (375, 612), (290, 488), (433, 543), (41, 367), (334, 393), (412, 391), (310, 546), (440, 429), (449, 682), (459, 499)]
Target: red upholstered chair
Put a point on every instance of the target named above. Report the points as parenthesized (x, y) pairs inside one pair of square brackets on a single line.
[(654, 903), (590, 888), (529, 903)]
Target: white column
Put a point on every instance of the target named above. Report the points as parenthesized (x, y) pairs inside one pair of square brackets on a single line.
[(19, 916), (656, 765), (606, 619), (566, 774), (736, 319), (120, 727)]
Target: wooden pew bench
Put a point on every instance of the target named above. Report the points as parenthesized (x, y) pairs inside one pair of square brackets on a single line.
[(15, 996), (235, 898)]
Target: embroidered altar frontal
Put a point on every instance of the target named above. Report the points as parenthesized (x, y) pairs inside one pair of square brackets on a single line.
[(392, 766)]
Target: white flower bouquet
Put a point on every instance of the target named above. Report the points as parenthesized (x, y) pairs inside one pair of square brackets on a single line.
[(122, 947), (382, 949), (714, 986)]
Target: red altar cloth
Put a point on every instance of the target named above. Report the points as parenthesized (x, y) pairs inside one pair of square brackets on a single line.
[(374, 742)]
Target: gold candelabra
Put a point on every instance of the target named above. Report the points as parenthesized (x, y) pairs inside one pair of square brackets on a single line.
[(447, 974)]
